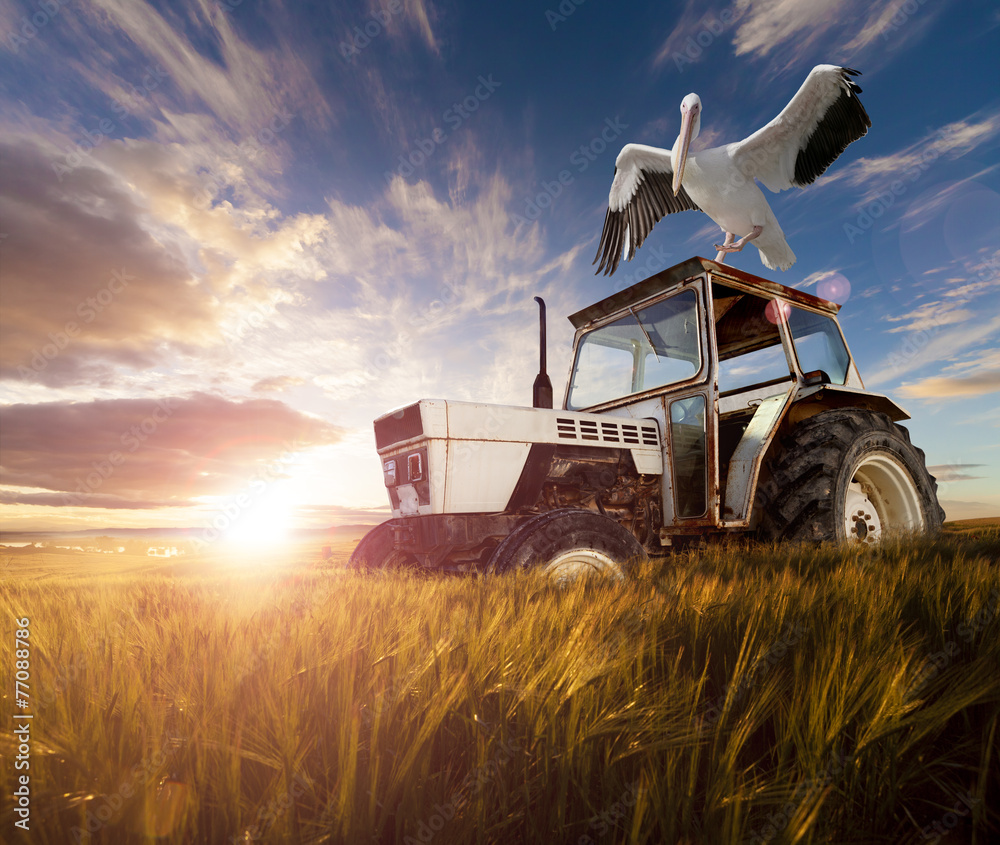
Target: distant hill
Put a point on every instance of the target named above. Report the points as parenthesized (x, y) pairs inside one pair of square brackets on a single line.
[(163, 533)]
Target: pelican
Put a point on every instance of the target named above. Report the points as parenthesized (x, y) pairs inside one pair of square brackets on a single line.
[(823, 117)]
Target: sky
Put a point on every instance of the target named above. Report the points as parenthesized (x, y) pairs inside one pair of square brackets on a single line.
[(234, 233)]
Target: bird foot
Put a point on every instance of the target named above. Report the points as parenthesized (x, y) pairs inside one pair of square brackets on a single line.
[(729, 246)]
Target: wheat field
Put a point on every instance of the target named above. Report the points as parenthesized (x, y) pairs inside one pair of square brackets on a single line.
[(734, 694)]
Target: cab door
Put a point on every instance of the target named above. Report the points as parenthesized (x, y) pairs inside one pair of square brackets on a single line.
[(690, 468)]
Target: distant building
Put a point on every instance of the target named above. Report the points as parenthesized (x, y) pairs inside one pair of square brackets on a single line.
[(163, 551)]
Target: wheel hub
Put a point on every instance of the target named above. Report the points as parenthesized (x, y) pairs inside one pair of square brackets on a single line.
[(580, 563), (863, 523), (881, 498)]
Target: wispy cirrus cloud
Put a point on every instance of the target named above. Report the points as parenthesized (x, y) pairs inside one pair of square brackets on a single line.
[(943, 387), (791, 31), (977, 375), (958, 138), (239, 84), (421, 13), (945, 473), (795, 34), (936, 344), (930, 316)]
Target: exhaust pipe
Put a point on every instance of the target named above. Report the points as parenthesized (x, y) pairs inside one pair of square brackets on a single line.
[(542, 390)]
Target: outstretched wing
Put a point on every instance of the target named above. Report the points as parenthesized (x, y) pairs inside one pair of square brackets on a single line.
[(641, 194), (823, 117)]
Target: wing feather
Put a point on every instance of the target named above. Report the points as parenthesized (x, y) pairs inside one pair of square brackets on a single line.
[(641, 195), (816, 126)]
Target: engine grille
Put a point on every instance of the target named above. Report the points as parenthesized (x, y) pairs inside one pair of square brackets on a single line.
[(608, 431), (399, 426)]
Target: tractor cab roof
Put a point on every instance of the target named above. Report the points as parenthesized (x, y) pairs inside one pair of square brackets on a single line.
[(686, 270)]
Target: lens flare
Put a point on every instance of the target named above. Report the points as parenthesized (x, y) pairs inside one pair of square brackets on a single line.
[(777, 312), (834, 288)]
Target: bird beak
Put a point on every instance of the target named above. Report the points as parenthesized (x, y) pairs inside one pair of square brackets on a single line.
[(687, 125)]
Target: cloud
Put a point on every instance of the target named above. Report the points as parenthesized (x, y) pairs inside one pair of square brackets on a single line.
[(125, 261), (421, 296), (966, 292), (694, 22), (955, 139), (277, 384), (85, 284), (983, 360), (419, 13), (91, 500), (950, 195), (927, 336), (340, 515), (148, 452), (792, 31), (976, 376), (989, 417), (895, 23), (238, 84), (931, 345), (930, 317), (945, 473), (767, 25), (223, 287), (969, 510), (362, 27), (815, 278), (943, 387)]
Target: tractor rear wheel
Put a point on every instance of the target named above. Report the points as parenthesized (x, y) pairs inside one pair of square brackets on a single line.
[(569, 544), (847, 475)]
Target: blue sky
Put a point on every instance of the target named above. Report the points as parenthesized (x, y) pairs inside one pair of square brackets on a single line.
[(234, 233)]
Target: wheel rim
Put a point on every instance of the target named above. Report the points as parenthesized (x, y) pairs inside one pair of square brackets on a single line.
[(580, 563), (881, 499)]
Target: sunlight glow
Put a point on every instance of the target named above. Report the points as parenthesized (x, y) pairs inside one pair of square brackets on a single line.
[(265, 520)]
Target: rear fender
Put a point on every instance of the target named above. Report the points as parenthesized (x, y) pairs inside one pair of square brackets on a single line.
[(810, 401)]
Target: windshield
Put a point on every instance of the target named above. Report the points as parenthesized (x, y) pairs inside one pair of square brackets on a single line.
[(819, 345), (749, 343), (750, 346), (649, 347)]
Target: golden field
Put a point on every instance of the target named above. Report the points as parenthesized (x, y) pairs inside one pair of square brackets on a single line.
[(733, 694)]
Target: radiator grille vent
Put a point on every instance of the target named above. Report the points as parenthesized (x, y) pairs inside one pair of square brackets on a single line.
[(399, 426), (608, 431)]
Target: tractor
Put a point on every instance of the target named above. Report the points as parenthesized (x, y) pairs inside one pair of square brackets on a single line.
[(701, 402)]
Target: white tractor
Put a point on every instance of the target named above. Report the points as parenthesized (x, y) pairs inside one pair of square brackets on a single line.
[(702, 401)]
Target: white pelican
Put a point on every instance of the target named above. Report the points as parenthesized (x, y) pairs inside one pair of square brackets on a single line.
[(823, 117)]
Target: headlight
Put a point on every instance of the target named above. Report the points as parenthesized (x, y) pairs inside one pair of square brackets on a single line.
[(389, 473), (414, 467)]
